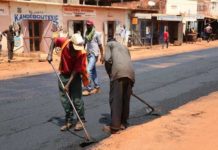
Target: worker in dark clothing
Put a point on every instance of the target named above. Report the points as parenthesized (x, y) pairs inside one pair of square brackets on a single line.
[(9, 34), (119, 68)]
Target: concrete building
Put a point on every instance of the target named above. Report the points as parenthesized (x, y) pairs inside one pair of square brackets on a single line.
[(207, 14), (187, 11), (159, 16), (144, 28), (179, 16), (146, 19), (38, 18), (214, 8)]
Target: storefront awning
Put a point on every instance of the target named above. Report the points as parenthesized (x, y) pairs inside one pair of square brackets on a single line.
[(189, 18), (165, 17), (212, 17), (142, 15), (200, 17), (205, 16)]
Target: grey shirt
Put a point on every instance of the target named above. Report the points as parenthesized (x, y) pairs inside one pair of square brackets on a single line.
[(93, 45), (118, 61)]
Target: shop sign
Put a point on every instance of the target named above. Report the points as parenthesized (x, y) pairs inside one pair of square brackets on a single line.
[(169, 18), (20, 17), (143, 16), (71, 11), (190, 18), (200, 16), (134, 21)]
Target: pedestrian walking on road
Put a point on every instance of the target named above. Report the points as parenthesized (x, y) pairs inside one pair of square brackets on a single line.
[(208, 31), (9, 34), (166, 39), (72, 73), (94, 49), (120, 70)]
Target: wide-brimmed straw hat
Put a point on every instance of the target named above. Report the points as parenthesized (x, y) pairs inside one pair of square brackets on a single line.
[(77, 41)]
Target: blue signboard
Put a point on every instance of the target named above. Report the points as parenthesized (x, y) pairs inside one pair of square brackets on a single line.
[(53, 18)]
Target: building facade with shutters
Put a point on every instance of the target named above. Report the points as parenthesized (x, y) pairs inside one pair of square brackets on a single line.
[(145, 21), (38, 20), (179, 16)]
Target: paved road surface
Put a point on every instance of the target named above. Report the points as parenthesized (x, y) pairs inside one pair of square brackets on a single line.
[(31, 114)]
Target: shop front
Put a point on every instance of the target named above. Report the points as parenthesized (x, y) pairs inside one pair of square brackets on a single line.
[(36, 21), (200, 26), (5, 21), (173, 24), (190, 31), (190, 22), (148, 28), (203, 21), (143, 28), (39, 21), (107, 20)]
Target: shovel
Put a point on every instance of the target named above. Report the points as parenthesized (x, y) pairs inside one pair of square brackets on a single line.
[(152, 110), (88, 139)]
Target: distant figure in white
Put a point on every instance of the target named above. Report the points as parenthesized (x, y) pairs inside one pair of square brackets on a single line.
[(123, 34)]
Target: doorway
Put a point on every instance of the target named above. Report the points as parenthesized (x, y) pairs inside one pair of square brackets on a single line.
[(35, 35), (111, 28), (173, 31), (76, 26)]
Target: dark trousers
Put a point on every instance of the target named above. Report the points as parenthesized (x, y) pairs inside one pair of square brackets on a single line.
[(10, 49), (165, 42), (208, 37), (120, 93), (75, 93)]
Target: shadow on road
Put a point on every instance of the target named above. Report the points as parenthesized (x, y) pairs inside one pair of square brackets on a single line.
[(60, 121)]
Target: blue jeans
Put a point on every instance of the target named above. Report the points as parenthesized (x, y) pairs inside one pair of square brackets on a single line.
[(92, 59)]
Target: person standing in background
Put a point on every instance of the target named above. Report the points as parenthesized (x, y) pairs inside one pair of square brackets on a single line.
[(9, 34), (166, 39), (208, 31), (123, 34)]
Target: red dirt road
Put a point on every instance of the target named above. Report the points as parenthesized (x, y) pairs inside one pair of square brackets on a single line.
[(190, 127)]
